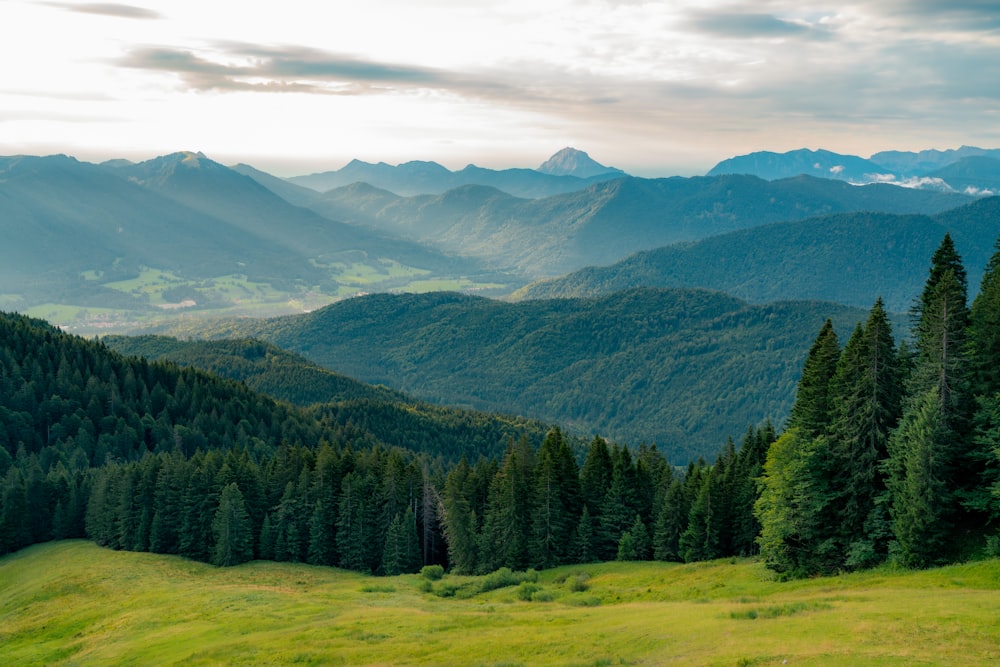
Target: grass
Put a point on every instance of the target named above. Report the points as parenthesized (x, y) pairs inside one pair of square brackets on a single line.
[(73, 603)]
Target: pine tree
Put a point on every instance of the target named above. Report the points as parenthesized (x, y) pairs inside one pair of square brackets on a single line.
[(794, 507), (232, 529), (401, 554), (556, 502), (917, 484), (866, 394), (505, 538), (984, 330), (671, 522), (459, 520), (810, 413)]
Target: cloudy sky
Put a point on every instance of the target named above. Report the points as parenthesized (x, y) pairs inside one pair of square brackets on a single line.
[(655, 88)]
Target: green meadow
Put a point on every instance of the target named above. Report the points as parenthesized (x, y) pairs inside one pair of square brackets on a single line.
[(74, 603)]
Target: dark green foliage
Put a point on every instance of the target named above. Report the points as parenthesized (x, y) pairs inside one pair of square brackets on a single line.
[(866, 397), (682, 368), (796, 537), (232, 529), (918, 483), (402, 548), (811, 411)]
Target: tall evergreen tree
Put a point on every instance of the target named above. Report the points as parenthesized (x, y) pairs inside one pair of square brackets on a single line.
[(232, 529), (794, 507), (810, 413), (918, 483), (866, 395), (401, 554), (459, 519), (929, 452)]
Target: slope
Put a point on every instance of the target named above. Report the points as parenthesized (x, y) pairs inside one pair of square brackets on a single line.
[(390, 416), (846, 258), (682, 368), (90, 246), (608, 221)]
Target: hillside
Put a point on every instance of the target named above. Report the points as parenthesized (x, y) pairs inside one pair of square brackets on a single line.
[(96, 245), (608, 221), (76, 604), (389, 416), (845, 258), (682, 368)]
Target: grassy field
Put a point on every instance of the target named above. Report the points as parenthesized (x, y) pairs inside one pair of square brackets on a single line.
[(73, 603)]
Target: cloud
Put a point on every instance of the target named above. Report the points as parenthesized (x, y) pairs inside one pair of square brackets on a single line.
[(109, 9), (750, 25), (232, 66)]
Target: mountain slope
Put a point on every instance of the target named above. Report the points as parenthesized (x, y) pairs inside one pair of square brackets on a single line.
[(820, 163), (573, 162), (847, 258), (114, 243), (908, 163), (610, 220), (682, 368)]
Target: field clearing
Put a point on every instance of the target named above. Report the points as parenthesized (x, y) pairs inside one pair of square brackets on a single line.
[(73, 603)]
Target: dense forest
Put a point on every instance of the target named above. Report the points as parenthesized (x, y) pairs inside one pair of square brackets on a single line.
[(890, 453), (893, 454)]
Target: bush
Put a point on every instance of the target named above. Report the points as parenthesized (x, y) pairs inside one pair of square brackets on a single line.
[(526, 590), (542, 596), (445, 589), (432, 572), (578, 584)]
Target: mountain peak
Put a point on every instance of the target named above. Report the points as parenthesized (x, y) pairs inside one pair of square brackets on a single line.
[(573, 162)]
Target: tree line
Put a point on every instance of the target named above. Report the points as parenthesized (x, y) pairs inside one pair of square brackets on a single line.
[(892, 453), (150, 456)]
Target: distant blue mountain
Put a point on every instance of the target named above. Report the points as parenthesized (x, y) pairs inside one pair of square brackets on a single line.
[(568, 170)]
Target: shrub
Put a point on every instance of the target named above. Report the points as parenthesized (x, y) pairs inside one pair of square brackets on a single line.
[(432, 572), (526, 590), (578, 584), (542, 595)]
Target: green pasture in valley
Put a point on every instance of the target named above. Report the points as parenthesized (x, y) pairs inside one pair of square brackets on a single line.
[(73, 603)]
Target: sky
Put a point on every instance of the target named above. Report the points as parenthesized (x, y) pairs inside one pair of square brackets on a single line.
[(654, 88)]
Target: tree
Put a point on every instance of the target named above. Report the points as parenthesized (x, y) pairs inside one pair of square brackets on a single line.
[(556, 502), (810, 413), (917, 483), (866, 394), (232, 529), (401, 554), (793, 508), (459, 520)]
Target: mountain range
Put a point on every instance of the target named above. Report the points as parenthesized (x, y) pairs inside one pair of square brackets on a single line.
[(848, 258), (967, 169), (566, 171), (607, 221), (120, 244)]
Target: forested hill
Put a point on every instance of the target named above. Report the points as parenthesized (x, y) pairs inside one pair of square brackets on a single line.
[(845, 258), (64, 398), (390, 416), (682, 368)]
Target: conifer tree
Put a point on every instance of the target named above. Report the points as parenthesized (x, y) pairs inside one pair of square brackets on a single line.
[(918, 483), (866, 394), (232, 529), (401, 554), (933, 435), (459, 520), (810, 413)]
